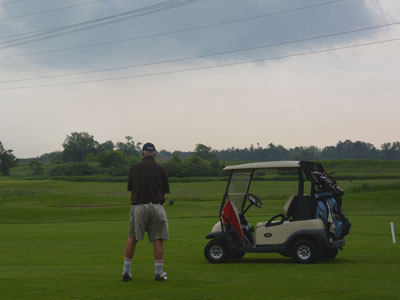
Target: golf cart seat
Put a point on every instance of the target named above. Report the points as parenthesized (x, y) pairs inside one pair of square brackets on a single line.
[(300, 208), (288, 205), (295, 209), (283, 216)]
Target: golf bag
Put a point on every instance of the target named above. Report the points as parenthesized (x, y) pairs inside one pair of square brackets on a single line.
[(329, 211)]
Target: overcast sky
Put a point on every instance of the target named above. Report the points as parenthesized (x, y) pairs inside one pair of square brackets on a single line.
[(252, 97)]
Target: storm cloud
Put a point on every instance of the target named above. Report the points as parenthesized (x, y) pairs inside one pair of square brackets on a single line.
[(282, 21)]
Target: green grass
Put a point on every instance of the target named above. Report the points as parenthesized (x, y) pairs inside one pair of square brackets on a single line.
[(65, 240)]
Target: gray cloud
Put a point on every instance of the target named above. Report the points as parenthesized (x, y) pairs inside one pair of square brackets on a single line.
[(335, 17)]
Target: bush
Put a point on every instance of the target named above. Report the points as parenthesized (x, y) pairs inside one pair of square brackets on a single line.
[(119, 171), (73, 169), (112, 159), (36, 167), (193, 166)]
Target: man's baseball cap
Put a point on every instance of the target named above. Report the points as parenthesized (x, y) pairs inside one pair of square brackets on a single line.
[(148, 147)]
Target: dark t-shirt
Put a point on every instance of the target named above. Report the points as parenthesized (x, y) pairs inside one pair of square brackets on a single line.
[(148, 182)]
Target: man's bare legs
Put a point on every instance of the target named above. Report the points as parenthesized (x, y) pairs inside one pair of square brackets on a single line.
[(158, 250), (158, 260), (128, 255), (130, 248)]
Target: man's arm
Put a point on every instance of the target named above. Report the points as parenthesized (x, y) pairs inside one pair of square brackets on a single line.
[(165, 183)]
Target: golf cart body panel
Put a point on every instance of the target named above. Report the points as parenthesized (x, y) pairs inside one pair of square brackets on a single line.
[(217, 227), (306, 228), (273, 235)]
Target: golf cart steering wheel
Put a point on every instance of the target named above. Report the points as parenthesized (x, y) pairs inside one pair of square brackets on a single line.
[(254, 200)]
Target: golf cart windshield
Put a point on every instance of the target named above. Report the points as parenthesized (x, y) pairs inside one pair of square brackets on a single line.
[(238, 187)]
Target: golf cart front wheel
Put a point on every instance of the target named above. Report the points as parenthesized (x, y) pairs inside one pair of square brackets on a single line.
[(304, 251), (215, 252)]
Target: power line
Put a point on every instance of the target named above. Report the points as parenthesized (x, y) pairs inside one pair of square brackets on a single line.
[(204, 55), (172, 32), (50, 10), (11, 2), (73, 28), (205, 68), (64, 27)]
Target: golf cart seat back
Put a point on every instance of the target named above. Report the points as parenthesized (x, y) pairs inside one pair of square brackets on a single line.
[(299, 208), (281, 218), (287, 205)]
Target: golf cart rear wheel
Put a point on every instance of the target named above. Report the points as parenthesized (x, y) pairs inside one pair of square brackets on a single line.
[(215, 252), (304, 251)]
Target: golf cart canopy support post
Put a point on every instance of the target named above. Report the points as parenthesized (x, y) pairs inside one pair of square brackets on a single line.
[(247, 189), (300, 191), (224, 200)]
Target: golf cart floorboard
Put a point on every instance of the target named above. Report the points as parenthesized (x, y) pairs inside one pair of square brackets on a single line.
[(282, 248), (265, 249)]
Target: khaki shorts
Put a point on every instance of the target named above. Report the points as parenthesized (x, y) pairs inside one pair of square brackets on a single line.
[(151, 218)]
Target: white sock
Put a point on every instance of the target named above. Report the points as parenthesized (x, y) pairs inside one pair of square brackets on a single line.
[(127, 265), (158, 266)]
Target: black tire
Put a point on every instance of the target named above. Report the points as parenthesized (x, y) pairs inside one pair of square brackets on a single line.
[(215, 252), (237, 254), (304, 251), (330, 253)]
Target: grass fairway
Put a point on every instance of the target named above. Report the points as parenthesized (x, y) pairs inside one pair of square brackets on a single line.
[(65, 240)]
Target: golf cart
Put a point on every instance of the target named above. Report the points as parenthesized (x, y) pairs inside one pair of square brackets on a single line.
[(311, 226)]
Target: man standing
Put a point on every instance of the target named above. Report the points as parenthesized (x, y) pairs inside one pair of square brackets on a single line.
[(148, 182)]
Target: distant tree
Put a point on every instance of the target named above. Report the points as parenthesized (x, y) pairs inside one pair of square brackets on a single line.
[(217, 166), (196, 166), (350, 150), (390, 150), (174, 166), (164, 154), (90, 157), (130, 148), (36, 167), (329, 152), (106, 146), (78, 145), (7, 160), (181, 154), (274, 152), (112, 159), (55, 157), (305, 153), (175, 159), (204, 152)]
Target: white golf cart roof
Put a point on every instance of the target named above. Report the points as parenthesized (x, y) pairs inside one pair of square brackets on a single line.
[(265, 165)]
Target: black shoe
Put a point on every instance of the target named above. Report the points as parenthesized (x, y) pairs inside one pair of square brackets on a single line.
[(126, 276), (161, 276)]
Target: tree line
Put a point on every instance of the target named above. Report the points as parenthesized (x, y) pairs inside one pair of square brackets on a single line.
[(342, 150), (83, 155)]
